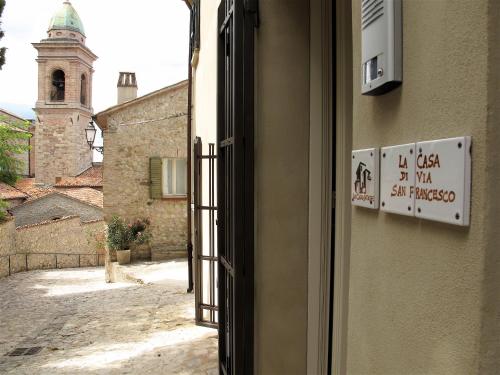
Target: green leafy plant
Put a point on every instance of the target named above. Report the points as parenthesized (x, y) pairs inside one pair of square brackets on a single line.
[(119, 234), (2, 49), (3, 211), (13, 137)]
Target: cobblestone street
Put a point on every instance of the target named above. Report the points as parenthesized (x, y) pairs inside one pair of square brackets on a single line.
[(85, 326)]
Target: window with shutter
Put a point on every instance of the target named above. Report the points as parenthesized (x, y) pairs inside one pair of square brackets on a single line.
[(155, 177), (174, 177)]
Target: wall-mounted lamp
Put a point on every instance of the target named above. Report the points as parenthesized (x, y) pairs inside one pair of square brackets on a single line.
[(90, 132)]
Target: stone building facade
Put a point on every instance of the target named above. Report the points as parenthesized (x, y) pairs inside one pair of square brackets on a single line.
[(137, 133), (64, 106)]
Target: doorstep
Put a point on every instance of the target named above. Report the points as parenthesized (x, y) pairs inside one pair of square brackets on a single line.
[(145, 272)]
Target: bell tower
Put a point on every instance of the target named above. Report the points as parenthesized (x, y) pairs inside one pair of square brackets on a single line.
[(64, 105)]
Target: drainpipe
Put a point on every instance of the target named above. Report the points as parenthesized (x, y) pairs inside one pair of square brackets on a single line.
[(189, 122)]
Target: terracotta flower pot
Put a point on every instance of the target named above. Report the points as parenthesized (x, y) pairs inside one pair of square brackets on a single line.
[(123, 256), (140, 252)]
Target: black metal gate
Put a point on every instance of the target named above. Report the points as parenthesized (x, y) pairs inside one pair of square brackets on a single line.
[(205, 248), (237, 19)]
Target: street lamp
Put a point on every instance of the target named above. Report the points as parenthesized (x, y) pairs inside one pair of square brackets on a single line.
[(90, 132)]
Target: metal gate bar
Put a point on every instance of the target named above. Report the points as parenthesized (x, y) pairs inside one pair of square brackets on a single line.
[(201, 306)]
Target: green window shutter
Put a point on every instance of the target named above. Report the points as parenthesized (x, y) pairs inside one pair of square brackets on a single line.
[(155, 178)]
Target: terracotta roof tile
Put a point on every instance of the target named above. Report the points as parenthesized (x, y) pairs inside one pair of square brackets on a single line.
[(93, 172), (8, 192), (79, 182), (87, 195), (92, 177), (32, 189)]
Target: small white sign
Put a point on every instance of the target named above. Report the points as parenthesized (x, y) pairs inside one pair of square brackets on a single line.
[(397, 179), (443, 180), (365, 178)]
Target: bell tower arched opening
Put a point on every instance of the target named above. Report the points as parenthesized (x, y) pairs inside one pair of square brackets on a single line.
[(58, 88), (83, 90)]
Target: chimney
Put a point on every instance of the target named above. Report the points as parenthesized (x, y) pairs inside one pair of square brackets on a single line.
[(127, 87)]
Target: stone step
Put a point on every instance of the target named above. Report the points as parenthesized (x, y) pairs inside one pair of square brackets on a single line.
[(167, 253)]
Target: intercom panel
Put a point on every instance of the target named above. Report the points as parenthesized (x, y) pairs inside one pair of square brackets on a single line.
[(381, 44)]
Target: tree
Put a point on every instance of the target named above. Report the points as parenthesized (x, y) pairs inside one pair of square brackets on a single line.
[(13, 137), (2, 49), (3, 211)]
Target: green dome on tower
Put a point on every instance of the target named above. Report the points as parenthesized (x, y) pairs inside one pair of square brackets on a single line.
[(67, 18)]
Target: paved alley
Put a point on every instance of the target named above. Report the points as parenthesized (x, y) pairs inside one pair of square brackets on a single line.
[(85, 326)]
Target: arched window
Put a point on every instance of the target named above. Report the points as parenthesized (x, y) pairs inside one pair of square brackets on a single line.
[(83, 90), (58, 86)]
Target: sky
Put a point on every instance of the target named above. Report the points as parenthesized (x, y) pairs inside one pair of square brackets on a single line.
[(148, 37)]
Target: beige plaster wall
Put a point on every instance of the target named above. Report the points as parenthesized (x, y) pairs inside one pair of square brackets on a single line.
[(126, 93), (204, 120), (204, 79), (489, 347), (421, 293), (281, 187), (155, 127)]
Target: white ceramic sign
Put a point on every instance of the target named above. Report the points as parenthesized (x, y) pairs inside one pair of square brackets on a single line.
[(443, 180), (397, 179), (365, 178)]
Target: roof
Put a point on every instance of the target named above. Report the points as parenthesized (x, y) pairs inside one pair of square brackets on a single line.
[(93, 172), (8, 192), (10, 114), (87, 196), (101, 118), (6, 119), (32, 189), (66, 18), (19, 111), (92, 177)]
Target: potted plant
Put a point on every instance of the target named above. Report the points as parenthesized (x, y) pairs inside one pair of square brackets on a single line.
[(119, 239), (141, 237)]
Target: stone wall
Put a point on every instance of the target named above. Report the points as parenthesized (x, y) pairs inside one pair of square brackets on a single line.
[(61, 148), (7, 246), (154, 126), (65, 243)]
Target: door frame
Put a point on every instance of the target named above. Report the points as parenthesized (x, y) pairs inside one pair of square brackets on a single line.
[(327, 328), (235, 184)]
